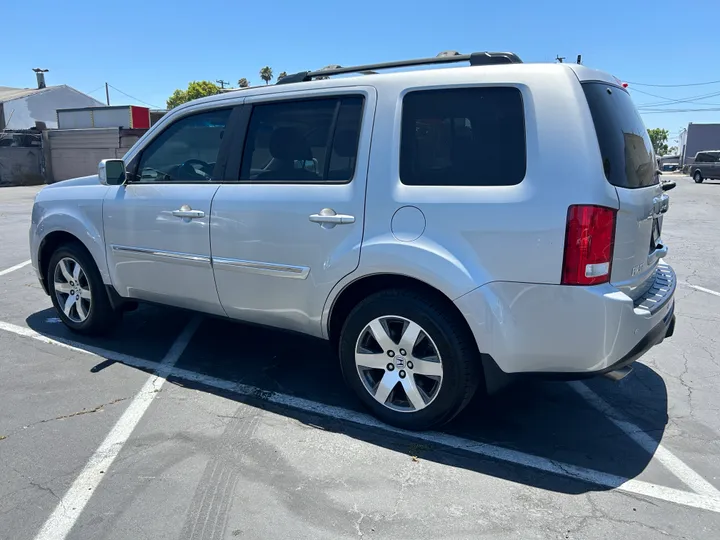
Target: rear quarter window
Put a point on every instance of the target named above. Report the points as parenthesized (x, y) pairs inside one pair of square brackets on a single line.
[(627, 153), (463, 137)]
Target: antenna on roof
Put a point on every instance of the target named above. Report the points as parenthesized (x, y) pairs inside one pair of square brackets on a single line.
[(579, 59), (559, 58)]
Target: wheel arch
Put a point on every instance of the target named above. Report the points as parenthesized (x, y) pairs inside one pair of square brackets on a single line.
[(48, 245), (361, 287), (494, 379)]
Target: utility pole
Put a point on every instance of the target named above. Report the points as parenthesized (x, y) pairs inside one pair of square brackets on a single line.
[(107, 94), (222, 83)]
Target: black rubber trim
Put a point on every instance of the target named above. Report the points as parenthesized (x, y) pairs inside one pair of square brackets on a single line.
[(43, 284)]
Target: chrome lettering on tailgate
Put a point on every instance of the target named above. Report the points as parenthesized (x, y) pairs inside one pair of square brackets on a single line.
[(637, 269)]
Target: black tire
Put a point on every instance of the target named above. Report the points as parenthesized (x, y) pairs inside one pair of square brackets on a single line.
[(698, 177), (101, 317), (461, 365)]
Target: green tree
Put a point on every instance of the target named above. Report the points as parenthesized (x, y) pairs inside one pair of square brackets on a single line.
[(266, 74), (672, 151), (195, 90), (243, 83), (282, 74), (659, 138)]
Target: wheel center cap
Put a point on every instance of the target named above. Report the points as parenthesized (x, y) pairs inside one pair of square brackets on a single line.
[(399, 361)]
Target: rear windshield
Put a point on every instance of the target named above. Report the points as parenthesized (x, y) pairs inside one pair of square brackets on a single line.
[(627, 152)]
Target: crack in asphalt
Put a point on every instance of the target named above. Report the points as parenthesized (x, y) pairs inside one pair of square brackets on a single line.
[(95, 409)]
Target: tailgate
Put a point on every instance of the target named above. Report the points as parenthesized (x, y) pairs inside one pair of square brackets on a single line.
[(629, 165), (638, 244)]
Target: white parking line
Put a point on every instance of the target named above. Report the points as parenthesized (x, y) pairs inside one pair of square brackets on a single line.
[(499, 453), (13, 268), (671, 462), (66, 513), (699, 288)]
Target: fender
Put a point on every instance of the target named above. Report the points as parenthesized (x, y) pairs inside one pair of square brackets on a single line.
[(423, 259), (74, 211)]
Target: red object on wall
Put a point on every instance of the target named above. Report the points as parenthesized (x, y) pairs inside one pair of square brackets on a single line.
[(139, 117)]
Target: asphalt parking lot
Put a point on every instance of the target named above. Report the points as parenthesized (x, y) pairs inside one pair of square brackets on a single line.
[(180, 426)]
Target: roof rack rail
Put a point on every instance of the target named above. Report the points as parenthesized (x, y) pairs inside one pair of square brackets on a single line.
[(445, 57)]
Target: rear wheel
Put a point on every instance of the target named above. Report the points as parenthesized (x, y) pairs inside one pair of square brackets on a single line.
[(698, 177), (77, 291), (409, 359)]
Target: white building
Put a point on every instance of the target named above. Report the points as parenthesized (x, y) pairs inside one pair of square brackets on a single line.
[(20, 108)]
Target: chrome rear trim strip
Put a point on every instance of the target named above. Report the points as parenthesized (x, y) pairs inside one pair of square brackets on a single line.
[(264, 268)]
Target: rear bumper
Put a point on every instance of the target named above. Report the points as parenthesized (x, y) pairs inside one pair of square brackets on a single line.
[(568, 332), (665, 329)]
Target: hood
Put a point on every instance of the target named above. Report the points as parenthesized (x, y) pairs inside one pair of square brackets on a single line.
[(92, 180)]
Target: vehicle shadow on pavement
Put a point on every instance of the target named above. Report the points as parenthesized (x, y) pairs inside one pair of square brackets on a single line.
[(544, 419)]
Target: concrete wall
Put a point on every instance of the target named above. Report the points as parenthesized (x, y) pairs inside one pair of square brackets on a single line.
[(77, 152), (21, 166), (22, 113)]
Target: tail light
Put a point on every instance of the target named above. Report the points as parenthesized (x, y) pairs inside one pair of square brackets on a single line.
[(589, 242)]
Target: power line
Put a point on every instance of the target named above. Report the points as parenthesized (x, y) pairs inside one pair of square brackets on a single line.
[(673, 85), (670, 101), (671, 111), (98, 88), (132, 97)]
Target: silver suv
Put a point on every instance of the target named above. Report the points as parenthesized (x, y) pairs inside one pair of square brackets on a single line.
[(444, 228)]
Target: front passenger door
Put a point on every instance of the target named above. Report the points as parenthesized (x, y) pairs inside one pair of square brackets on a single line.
[(157, 226)]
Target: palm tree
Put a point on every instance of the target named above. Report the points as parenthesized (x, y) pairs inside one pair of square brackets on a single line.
[(243, 83), (266, 74), (282, 74)]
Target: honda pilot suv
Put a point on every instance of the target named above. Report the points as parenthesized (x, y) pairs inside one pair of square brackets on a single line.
[(446, 229)]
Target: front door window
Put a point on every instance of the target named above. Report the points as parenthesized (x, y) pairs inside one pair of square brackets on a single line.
[(186, 151)]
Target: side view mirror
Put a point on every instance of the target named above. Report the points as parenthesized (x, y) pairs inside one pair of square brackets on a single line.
[(112, 172), (667, 186)]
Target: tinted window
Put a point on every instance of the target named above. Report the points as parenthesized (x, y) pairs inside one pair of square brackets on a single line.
[(186, 151), (463, 137), (303, 141), (625, 146), (705, 157)]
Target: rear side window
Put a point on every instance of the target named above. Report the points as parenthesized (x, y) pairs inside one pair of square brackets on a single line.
[(625, 146), (705, 157), (463, 137), (306, 141)]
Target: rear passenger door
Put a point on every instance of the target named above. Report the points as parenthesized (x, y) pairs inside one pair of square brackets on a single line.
[(291, 225)]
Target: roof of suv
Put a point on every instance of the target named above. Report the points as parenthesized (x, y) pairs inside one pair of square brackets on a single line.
[(362, 77)]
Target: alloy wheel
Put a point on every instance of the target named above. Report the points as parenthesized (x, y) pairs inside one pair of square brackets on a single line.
[(72, 290), (398, 363)]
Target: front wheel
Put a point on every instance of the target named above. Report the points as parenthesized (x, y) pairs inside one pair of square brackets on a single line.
[(409, 358), (77, 291), (698, 177)]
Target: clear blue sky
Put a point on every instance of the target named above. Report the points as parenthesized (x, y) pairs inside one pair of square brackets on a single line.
[(149, 48)]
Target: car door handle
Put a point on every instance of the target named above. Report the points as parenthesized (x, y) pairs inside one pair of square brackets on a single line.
[(327, 218), (186, 212)]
